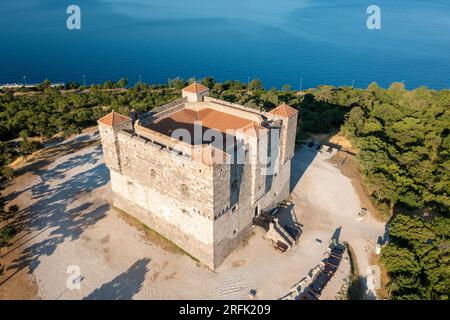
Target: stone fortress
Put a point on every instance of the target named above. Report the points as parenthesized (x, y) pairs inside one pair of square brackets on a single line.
[(200, 169)]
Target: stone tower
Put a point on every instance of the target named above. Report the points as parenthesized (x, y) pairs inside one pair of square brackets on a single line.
[(288, 117), (195, 92), (109, 126)]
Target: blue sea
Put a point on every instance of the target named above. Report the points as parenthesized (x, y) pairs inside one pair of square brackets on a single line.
[(311, 42)]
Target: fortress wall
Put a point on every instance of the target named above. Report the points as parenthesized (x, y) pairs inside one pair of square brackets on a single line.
[(232, 108), (194, 97), (283, 139), (108, 139), (287, 136), (187, 182), (221, 188), (232, 227), (171, 104), (167, 192), (234, 105), (278, 183), (290, 138), (167, 109), (175, 233), (110, 148), (259, 153), (280, 188), (159, 137)]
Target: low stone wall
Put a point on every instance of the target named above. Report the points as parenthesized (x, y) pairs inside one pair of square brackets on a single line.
[(161, 110)]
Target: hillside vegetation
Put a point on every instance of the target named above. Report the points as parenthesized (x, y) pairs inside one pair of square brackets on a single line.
[(401, 135)]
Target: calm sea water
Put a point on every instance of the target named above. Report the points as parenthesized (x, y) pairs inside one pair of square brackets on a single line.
[(322, 41)]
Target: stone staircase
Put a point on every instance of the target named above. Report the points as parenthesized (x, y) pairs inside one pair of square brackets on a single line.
[(278, 233)]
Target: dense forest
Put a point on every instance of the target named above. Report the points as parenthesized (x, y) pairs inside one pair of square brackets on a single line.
[(401, 137)]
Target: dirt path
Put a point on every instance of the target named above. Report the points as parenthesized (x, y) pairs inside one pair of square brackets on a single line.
[(64, 198)]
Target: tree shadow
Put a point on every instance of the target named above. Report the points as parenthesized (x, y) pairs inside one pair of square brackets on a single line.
[(39, 167), (54, 210), (125, 285), (73, 162), (355, 290)]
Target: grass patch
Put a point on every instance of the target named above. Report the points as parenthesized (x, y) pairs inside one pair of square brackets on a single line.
[(355, 290), (6, 235), (383, 292), (152, 236)]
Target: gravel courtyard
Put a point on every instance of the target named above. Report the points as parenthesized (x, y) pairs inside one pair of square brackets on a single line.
[(69, 222)]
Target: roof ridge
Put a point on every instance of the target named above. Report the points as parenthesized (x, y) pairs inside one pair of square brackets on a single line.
[(196, 87), (284, 110), (257, 128), (113, 118)]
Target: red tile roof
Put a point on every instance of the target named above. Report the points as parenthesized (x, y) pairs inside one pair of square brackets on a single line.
[(254, 129), (210, 119), (284, 111), (196, 88), (114, 119), (225, 123)]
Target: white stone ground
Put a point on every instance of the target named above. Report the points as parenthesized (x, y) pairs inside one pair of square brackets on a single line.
[(73, 224)]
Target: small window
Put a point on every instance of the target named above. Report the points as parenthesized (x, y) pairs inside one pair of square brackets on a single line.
[(234, 231)]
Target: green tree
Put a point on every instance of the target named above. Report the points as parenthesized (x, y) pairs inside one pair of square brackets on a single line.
[(122, 83), (209, 82), (255, 85), (27, 147)]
